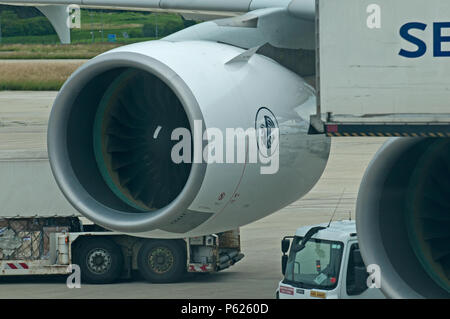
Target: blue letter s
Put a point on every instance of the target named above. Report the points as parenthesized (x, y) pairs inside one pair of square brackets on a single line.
[(421, 46)]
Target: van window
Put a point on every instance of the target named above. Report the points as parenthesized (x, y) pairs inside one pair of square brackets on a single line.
[(352, 288)]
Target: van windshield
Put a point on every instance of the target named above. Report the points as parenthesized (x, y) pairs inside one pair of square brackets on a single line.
[(315, 266)]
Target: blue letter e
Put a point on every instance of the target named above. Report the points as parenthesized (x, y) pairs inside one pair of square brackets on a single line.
[(438, 39)]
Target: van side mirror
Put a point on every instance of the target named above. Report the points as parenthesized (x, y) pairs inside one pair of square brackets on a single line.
[(285, 244), (284, 260)]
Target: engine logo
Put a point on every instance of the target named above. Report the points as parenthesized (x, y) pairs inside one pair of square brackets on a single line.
[(266, 126)]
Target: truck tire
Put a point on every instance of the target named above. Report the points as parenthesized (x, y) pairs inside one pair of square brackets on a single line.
[(100, 260), (162, 261)]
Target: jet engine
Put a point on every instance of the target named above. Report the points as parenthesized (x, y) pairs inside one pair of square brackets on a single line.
[(403, 217), (119, 121)]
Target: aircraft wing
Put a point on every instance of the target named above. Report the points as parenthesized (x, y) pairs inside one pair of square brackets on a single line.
[(57, 11), (216, 7)]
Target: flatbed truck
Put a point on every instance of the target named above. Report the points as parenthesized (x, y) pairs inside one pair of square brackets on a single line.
[(41, 234)]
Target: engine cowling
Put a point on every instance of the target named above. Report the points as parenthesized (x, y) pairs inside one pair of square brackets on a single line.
[(403, 217), (110, 138)]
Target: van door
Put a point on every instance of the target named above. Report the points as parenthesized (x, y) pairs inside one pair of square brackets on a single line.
[(351, 284)]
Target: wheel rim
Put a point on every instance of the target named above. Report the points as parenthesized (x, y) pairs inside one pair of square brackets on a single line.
[(161, 260), (99, 261)]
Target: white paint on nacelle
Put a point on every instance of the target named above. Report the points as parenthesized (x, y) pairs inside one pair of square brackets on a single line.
[(228, 96)]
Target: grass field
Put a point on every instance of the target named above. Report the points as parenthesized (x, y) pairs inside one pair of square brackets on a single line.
[(55, 51), (91, 39), (35, 76), (87, 42), (96, 25), (115, 18)]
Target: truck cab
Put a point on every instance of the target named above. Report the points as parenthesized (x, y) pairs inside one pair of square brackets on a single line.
[(324, 262)]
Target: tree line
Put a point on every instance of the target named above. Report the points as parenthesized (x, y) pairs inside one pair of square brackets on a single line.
[(19, 21)]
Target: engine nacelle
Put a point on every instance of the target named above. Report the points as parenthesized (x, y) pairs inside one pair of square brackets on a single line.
[(111, 138), (403, 217)]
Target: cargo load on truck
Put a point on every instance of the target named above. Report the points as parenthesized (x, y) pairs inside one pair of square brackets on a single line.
[(42, 234)]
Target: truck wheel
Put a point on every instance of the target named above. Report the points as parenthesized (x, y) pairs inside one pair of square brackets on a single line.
[(162, 261), (100, 261)]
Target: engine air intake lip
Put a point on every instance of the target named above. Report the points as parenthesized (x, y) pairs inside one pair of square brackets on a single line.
[(75, 162)]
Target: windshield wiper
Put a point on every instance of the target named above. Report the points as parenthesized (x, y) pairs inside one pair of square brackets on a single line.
[(307, 237)]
